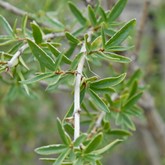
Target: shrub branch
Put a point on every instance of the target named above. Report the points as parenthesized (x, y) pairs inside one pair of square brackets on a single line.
[(77, 108), (25, 46)]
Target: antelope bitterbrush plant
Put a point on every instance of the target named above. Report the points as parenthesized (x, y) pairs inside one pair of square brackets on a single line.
[(60, 55)]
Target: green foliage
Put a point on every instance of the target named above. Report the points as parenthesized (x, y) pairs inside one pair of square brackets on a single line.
[(60, 57)]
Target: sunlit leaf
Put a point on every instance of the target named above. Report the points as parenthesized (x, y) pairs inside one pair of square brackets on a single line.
[(120, 132), (75, 62), (77, 13), (56, 53), (103, 14), (6, 26), (96, 44), (94, 143), (108, 82), (107, 147), (22, 79), (38, 78), (51, 149), (92, 16), (24, 23), (37, 33), (116, 10), (71, 38), (132, 100), (41, 56), (80, 140), (64, 137), (120, 35), (62, 156), (56, 23), (98, 101)]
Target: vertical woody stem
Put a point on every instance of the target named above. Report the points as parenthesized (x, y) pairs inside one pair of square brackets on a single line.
[(77, 108)]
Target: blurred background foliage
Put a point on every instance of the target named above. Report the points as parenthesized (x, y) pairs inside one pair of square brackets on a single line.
[(29, 122)]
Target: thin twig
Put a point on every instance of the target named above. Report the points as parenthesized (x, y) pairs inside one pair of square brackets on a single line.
[(12, 61), (141, 27), (149, 146), (7, 6), (154, 121), (77, 108), (100, 118)]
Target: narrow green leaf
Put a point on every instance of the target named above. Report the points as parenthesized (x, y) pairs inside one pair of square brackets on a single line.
[(15, 48), (91, 158), (120, 132), (87, 44), (23, 63), (70, 50), (64, 137), (135, 77), (77, 13), (56, 53), (58, 61), (41, 56), (116, 10), (37, 33), (98, 162), (22, 79), (54, 159), (110, 31), (15, 26), (120, 35), (99, 102), (107, 147), (114, 57), (6, 26), (75, 62), (133, 89), (79, 31), (108, 82), (5, 37), (135, 111), (24, 23), (103, 14), (127, 122), (132, 101), (103, 90), (71, 38), (80, 140), (48, 159), (94, 143), (54, 50), (69, 128), (62, 156), (96, 44), (92, 16), (56, 23), (55, 79), (78, 161), (10, 41), (38, 78), (119, 48), (51, 149)]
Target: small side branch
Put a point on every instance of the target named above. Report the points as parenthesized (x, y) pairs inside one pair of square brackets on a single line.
[(100, 118), (25, 46), (141, 27), (7, 6)]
